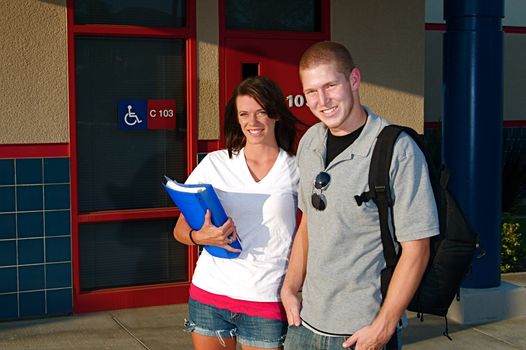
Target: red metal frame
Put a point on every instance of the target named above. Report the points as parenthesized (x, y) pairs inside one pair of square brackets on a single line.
[(113, 299), (208, 145), (127, 215), (137, 296), (127, 30)]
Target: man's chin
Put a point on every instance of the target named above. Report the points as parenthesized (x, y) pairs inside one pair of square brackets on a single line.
[(330, 122)]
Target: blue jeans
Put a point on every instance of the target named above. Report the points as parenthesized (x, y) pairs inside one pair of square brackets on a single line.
[(248, 330), (300, 338)]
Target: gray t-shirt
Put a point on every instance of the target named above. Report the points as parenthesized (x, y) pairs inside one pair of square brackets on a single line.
[(341, 291)]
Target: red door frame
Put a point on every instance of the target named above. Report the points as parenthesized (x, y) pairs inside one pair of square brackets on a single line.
[(224, 34), (149, 295)]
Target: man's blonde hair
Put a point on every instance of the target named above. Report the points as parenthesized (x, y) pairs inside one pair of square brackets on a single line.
[(327, 52)]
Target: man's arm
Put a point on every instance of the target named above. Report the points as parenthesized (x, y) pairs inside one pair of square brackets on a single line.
[(295, 274), (404, 283)]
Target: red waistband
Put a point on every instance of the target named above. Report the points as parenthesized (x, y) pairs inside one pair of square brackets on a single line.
[(271, 310)]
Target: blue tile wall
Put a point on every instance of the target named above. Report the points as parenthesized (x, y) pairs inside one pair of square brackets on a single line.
[(30, 251), (30, 224), (7, 199), (58, 223), (28, 171), (8, 306), (7, 226), (59, 301), (56, 170), (58, 275), (31, 277), (57, 196), (29, 198), (7, 171), (7, 253), (58, 249), (35, 238), (32, 304), (8, 277)]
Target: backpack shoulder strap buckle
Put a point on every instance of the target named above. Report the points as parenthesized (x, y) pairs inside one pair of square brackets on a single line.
[(363, 198)]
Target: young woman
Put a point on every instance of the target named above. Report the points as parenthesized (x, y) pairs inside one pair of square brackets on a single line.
[(256, 177)]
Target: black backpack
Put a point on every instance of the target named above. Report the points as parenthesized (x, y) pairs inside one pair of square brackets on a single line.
[(451, 251)]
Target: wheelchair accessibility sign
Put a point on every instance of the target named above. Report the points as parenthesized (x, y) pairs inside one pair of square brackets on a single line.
[(146, 114)]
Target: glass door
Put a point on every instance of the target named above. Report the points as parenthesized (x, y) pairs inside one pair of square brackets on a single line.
[(132, 123)]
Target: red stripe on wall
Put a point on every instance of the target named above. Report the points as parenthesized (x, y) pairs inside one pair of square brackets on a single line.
[(507, 124), (516, 30), (432, 125), (514, 123), (441, 27), (35, 150), (436, 26)]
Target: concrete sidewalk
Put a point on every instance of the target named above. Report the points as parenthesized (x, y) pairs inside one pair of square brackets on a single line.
[(158, 328)]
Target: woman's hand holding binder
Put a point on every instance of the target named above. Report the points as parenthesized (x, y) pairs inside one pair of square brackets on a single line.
[(221, 236)]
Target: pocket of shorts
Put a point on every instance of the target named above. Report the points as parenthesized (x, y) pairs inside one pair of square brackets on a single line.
[(189, 326)]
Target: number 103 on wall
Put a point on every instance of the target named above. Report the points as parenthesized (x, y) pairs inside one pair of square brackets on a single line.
[(296, 101)]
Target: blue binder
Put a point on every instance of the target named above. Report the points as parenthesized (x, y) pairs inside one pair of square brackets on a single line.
[(193, 205)]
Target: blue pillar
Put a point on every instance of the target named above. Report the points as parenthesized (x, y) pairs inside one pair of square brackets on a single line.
[(472, 123)]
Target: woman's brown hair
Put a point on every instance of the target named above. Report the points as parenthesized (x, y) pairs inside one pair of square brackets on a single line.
[(268, 94)]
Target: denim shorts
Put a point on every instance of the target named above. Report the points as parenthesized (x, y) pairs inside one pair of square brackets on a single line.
[(248, 330), (299, 338)]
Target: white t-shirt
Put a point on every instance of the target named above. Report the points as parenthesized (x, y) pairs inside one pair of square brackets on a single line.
[(264, 213)]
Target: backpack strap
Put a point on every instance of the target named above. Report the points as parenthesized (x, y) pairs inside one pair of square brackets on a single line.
[(380, 193), (380, 189)]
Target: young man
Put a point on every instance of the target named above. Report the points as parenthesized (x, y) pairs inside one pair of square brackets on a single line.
[(337, 254)]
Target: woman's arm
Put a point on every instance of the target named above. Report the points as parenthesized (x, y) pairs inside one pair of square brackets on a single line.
[(208, 234)]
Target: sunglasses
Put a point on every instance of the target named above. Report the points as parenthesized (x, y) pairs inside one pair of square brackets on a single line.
[(318, 200)]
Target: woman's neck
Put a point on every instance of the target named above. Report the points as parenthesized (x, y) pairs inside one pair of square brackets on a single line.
[(260, 159), (261, 152)]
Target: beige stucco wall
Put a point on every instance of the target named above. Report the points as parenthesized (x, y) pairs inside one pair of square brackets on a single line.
[(433, 74), (386, 39), (514, 76), (33, 72), (208, 69), (514, 55)]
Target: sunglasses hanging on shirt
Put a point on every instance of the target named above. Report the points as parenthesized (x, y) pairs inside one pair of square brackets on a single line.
[(318, 200)]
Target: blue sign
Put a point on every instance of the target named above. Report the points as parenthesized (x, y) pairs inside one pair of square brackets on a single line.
[(133, 114)]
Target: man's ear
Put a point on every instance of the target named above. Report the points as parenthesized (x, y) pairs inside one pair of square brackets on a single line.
[(355, 78)]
